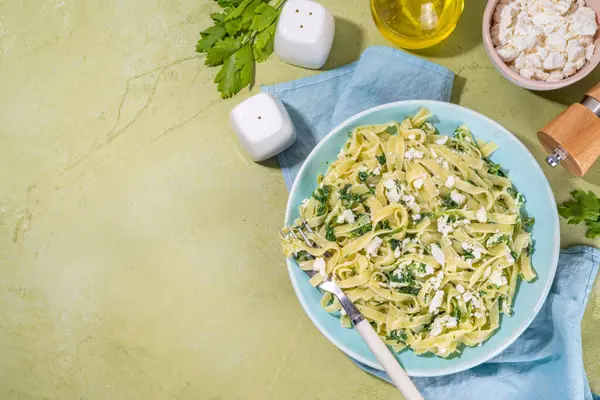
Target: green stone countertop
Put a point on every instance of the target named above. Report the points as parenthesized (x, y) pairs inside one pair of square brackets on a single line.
[(139, 256)]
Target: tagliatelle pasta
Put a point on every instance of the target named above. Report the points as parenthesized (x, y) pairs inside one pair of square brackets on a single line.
[(423, 233)]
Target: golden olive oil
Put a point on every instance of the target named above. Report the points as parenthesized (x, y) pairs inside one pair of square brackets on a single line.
[(416, 24)]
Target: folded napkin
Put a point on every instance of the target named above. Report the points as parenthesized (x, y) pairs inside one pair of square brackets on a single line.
[(545, 362)]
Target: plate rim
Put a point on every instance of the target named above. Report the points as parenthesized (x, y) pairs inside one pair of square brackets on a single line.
[(517, 332)]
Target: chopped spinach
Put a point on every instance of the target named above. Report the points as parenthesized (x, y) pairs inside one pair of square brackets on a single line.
[(408, 290), (303, 256), (321, 194), (383, 224), (397, 335), (362, 230), (447, 202), (381, 159), (349, 199), (363, 176), (528, 223), (495, 169), (394, 243), (329, 235)]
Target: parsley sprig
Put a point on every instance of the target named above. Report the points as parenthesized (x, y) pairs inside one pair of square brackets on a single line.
[(242, 34), (585, 207)]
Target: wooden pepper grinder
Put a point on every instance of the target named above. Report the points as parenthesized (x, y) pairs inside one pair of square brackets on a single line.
[(573, 137)]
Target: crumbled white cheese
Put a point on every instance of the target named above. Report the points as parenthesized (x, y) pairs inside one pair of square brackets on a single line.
[(416, 217), (442, 140), (457, 197), (397, 252), (304, 203), (436, 281), (393, 195), (477, 314), (428, 271), (412, 153), (373, 247), (389, 184), (476, 302), (460, 288), (438, 254), (481, 215), (346, 215), (442, 225), (437, 300), (450, 181), (533, 36), (467, 296), (433, 153), (440, 322), (377, 171), (319, 266), (411, 137), (497, 278), (418, 183)]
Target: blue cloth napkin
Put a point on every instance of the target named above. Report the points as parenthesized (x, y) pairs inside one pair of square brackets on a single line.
[(546, 361)]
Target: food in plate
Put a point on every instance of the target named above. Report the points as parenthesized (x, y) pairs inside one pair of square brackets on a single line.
[(423, 233), (542, 39)]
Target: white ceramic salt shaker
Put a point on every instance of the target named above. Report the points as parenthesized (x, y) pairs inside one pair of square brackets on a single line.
[(263, 126), (304, 34)]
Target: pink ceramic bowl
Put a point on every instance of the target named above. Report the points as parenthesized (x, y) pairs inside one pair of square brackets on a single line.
[(530, 83)]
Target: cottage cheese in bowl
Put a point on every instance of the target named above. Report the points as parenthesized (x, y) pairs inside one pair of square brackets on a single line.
[(544, 40)]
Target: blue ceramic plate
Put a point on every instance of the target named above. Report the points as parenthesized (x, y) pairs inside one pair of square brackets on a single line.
[(527, 177)]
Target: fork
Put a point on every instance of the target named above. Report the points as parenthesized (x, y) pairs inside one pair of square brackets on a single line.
[(363, 327)]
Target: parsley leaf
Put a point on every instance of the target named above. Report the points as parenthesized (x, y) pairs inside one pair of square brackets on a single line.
[(236, 72), (303, 256), (242, 35), (264, 43), (209, 37), (237, 11), (383, 224), (394, 243), (264, 16), (381, 159), (584, 207), (221, 50)]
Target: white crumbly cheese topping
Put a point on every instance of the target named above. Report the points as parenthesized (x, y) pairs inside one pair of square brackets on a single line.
[(440, 322), (377, 171), (460, 288), (373, 247), (411, 137), (319, 266), (442, 140), (389, 184), (397, 252), (545, 40), (481, 215), (416, 217), (497, 278), (418, 183), (346, 215), (457, 197), (304, 203), (437, 300), (443, 226), (412, 153), (467, 296), (436, 281), (450, 181), (438, 254)]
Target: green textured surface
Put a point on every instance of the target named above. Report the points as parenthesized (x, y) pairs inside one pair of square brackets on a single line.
[(138, 246)]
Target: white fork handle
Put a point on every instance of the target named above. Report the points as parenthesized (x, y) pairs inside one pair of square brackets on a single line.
[(388, 361)]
